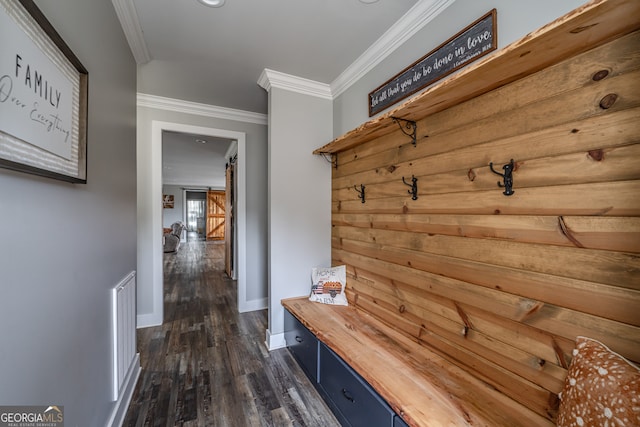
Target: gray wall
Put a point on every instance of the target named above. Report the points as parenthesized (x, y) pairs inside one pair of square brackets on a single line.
[(65, 246), (515, 19), (299, 198)]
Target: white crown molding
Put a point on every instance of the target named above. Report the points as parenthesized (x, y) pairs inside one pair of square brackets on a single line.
[(270, 78), (128, 17), (188, 107), (410, 23)]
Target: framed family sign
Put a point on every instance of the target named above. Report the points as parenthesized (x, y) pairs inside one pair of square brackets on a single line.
[(43, 97)]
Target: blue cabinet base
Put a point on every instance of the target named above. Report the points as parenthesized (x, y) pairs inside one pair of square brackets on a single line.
[(303, 345), (352, 400)]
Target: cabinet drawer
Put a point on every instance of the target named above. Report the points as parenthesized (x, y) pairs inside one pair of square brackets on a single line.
[(398, 422), (354, 398), (302, 344)]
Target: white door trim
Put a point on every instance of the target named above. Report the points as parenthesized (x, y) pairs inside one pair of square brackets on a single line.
[(156, 214)]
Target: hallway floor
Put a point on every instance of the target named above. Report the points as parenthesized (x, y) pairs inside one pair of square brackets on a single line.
[(207, 365)]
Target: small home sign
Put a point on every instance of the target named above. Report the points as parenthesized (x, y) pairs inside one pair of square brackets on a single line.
[(473, 42)]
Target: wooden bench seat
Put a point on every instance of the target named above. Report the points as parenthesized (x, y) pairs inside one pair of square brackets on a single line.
[(421, 386)]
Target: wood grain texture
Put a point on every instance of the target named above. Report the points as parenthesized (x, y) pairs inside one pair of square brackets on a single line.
[(590, 137), (207, 365), (608, 164), (546, 317), (420, 385), (497, 286), (620, 234), (618, 57), (606, 267)]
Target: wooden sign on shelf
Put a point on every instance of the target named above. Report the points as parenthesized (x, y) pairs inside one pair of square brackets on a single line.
[(473, 42)]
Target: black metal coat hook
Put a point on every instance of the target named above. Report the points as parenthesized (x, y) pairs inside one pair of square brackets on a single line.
[(414, 187), (507, 177), (360, 192), (408, 127)]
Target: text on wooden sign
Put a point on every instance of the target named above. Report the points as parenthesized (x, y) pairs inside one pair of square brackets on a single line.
[(473, 42)]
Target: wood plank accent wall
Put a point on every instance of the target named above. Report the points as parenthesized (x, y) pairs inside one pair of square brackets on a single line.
[(501, 286)]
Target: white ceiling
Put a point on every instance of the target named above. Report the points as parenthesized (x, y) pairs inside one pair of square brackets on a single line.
[(193, 160), (215, 56)]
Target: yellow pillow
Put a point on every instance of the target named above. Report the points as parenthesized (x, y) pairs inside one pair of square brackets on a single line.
[(602, 388)]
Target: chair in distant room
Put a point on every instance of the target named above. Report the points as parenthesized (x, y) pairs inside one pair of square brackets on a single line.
[(172, 238)]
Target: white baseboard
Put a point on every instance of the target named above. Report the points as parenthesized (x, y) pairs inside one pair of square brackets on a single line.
[(148, 320), (275, 341), (124, 399)]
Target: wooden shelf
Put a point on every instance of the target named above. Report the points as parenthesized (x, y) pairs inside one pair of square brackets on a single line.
[(583, 29)]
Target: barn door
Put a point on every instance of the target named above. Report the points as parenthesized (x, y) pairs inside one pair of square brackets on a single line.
[(215, 215), (229, 232)]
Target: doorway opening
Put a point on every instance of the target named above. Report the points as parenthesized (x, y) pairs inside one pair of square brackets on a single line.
[(196, 215), (240, 244), (207, 219)]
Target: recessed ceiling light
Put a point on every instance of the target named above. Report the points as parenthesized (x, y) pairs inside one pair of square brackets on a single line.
[(201, 141), (213, 3), (368, 1)]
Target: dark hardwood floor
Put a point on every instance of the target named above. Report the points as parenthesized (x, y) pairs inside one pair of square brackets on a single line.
[(207, 365)]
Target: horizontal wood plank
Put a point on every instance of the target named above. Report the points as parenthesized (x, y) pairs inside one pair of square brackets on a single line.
[(590, 137), (613, 164), (610, 302), (526, 393), (528, 119), (565, 323), (542, 344), (448, 320), (613, 268), (620, 234), (614, 199)]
